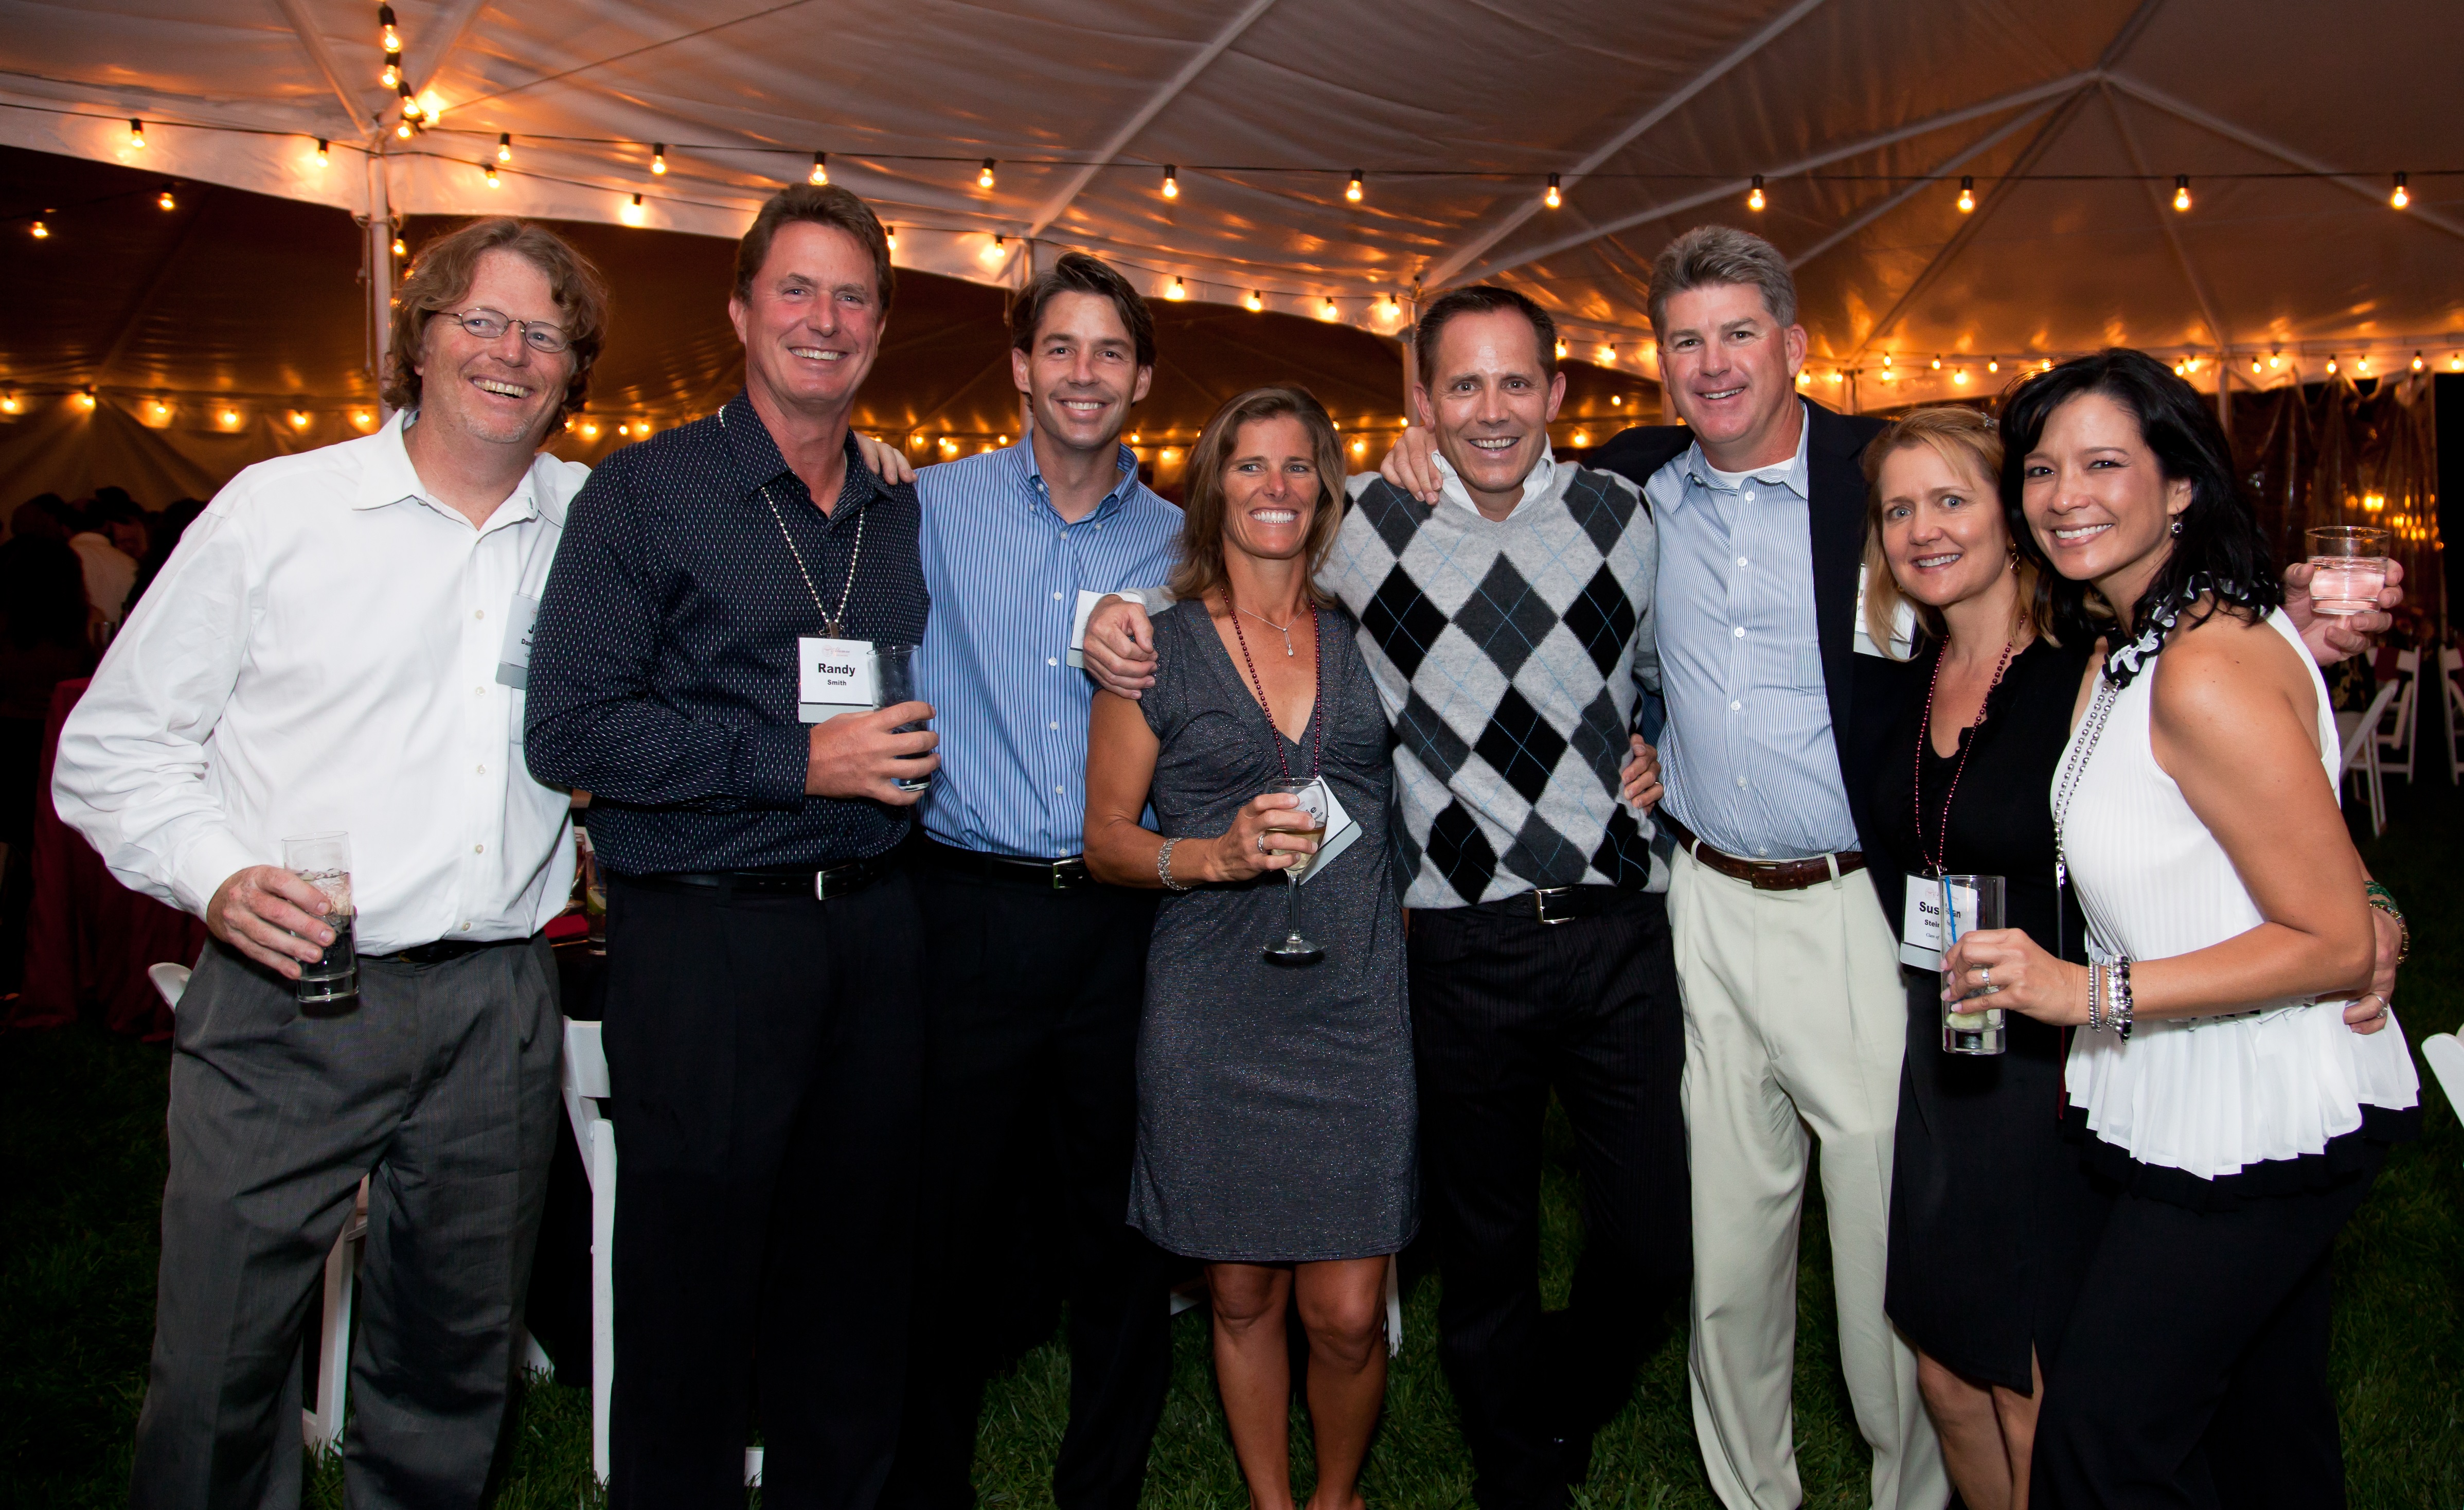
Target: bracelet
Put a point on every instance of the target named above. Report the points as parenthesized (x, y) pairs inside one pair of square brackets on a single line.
[(2118, 979), (2095, 997), (1163, 867), (2384, 899)]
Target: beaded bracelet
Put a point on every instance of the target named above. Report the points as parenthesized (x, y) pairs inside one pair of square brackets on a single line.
[(2095, 996), (1163, 867), (2117, 978), (2383, 900)]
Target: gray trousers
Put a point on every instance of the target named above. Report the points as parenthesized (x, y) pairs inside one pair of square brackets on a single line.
[(442, 1087)]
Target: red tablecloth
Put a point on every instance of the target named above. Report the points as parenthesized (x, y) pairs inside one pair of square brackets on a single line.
[(88, 937)]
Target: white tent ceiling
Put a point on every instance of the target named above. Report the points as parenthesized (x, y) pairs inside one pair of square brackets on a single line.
[(1861, 115)]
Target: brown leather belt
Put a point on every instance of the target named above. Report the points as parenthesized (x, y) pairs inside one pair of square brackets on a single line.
[(1762, 875)]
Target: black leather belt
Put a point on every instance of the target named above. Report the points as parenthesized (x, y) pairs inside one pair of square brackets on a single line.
[(1065, 873), (442, 950), (1762, 875), (823, 883), (1556, 905)]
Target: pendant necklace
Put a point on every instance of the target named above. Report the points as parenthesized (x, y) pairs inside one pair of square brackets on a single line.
[(1938, 856), (1285, 630)]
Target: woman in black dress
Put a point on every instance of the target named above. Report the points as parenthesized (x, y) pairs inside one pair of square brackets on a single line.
[(1992, 1214)]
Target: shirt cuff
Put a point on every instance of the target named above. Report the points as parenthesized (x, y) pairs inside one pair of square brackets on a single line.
[(213, 858), (770, 763)]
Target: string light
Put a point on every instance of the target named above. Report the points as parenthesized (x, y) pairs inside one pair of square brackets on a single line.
[(10, 404), (2046, 366), (2416, 362), (166, 199), (1993, 364), (891, 231), (1328, 311), (411, 108), (1561, 349), (1255, 302), (2401, 196), (999, 250), (589, 430), (1608, 354), (2362, 365), (1394, 307), (86, 399), (2275, 360), (505, 146), (1351, 191), (404, 129), (1178, 290), (490, 170), (40, 231), (658, 157), (2254, 367), (392, 34), (1937, 361), (299, 420), (633, 212), (1803, 377), (2331, 366), (2455, 362), (1967, 194), (229, 419), (1754, 200), (1171, 182), (136, 134), (984, 175), (324, 151), (820, 173), (1552, 199), (1959, 377), (1837, 376), (399, 248), (392, 76), (158, 412), (364, 420), (2182, 192), (1886, 362), (1580, 438), (1617, 400)]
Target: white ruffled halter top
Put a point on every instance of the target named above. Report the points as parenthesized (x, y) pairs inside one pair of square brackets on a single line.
[(2207, 1096)]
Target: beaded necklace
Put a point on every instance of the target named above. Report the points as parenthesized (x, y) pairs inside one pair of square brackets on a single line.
[(1939, 855), (1317, 693)]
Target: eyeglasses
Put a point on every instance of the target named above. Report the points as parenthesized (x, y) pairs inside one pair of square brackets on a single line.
[(488, 325)]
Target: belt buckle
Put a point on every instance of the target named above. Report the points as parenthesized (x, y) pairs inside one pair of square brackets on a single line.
[(1070, 873), (822, 891), (1540, 896)]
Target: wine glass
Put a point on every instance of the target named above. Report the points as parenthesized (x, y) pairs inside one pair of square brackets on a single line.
[(1294, 950)]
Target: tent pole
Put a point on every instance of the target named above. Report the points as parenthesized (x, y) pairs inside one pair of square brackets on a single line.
[(380, 280)]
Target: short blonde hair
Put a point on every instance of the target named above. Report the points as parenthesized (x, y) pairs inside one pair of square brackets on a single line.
[(1969, 441)]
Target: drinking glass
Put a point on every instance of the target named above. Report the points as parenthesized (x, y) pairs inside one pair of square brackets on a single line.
[(1294, 948), (323, 860), (1969, 902), (894, 672), (2352, 568)]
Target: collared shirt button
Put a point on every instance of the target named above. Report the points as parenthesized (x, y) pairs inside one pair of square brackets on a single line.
[(1052, 661), (1740, 780), (1740, 632), (478, 613), (1762, 849), (483, 770), (478, 692), (478, 848), (1741, 561), (1056, 597), (1057, 792), (1056, 724), (1737, 707), (1750, 494)]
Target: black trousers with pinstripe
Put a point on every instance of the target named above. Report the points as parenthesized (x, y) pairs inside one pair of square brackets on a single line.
[(1505, 1010)]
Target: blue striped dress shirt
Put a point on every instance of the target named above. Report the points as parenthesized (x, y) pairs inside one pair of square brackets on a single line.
[(1004, 571)]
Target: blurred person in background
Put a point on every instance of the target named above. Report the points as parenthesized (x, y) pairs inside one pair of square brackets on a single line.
[(42, 644), (45, 515), (102, 522), (163, 537)]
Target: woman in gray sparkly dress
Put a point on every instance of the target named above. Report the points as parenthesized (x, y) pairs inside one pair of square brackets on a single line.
[(1276, 1119)]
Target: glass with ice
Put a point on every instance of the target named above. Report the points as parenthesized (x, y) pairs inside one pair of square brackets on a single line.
[(1969, 1026), (2351, 568), (323, 860)]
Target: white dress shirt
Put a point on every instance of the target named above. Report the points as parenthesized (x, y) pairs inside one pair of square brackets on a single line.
[(323, 652)]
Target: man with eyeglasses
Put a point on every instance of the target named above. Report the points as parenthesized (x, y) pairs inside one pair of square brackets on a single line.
[(340, 643)]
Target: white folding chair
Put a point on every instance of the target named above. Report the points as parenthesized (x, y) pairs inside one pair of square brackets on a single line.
[(586, 1089), (2446, 1056), (2451, 684), (321, 1425), (2401, 730), (2357, 732)]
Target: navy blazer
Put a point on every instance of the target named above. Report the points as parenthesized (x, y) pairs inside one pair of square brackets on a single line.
[(1866, 692)]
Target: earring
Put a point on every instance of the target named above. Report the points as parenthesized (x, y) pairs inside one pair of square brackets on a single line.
[(2177, 524)]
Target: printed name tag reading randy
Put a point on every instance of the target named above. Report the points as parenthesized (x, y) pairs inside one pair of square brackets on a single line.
[(833, 676)]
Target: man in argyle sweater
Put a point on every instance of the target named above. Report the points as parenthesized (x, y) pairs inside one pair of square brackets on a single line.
[(1508, 626)]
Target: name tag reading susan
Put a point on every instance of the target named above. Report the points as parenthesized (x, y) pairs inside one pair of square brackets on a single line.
[(833, 676)]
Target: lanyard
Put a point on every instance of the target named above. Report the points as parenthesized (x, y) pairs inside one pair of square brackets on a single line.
[(1939, 855), (834, 623)]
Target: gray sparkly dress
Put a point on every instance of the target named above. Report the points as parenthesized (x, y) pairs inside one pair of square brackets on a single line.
[(1276, 1116)]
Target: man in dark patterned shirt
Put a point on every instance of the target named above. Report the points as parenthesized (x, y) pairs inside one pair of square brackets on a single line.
[(692, 670)]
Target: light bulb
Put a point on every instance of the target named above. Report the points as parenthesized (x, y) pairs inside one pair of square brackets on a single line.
[(1351, 191), (136, 134), (324, 151), (1256, 301), (2401, 197), (1617, 400), (392, 75), (2455, 362), (2275, 360), (86, 400), (2416, 362), (1967, 194), (1959, 377), (1394, 307), (1804, 377), (1561, 349), (490, 168), (1608, 355), (411, 108), (890, 232), (659, 157), (2182, 192), (634, 213), (2362, 365), (505, 146), (1754, 200), (1580, 438), (1552, 199), (1837, 376), (1328, 311), (9, 403), (1937, 363), (392, 34), (404, 130), (984, 175), (997, 250), (1887, 360), (2331, 365), (399, 248), (1180, 290), (364, 420), (166, 199), (299, 420), (2254, 367), (229, 418), (1171, 182), (1993, 365), (820, 173), (2046, 366)]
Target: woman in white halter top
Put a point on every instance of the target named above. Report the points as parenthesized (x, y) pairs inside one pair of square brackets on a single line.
[(2227, 1067)]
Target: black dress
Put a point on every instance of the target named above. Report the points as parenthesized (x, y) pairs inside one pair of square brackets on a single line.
[(1992, 1214)]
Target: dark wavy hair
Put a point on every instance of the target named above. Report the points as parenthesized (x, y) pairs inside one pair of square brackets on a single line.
[(2220, 537)]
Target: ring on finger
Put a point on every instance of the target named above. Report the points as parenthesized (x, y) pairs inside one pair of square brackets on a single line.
[(1262, 842)]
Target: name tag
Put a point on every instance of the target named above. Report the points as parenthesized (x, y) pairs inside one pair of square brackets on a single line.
[(833, 676), (1922, 938), (513, 661), (1149, 598), (1341, 828)]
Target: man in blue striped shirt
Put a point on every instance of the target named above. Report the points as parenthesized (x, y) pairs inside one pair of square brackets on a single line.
[(1034, 975)]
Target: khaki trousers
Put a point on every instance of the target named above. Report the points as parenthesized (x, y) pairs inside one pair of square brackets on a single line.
[(1796, 1021)]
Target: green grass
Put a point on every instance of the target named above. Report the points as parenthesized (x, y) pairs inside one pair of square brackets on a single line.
[(81, 1171)]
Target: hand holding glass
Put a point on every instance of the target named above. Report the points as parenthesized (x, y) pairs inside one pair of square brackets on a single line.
[(894, 683), (323, 860), (1309, 797), (2350, 563), (1969, 902)]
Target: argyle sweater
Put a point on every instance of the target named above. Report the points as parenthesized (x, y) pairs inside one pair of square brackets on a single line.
[(1509, 656)]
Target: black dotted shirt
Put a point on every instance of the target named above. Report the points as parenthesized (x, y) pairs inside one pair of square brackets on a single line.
[(663, 670)]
